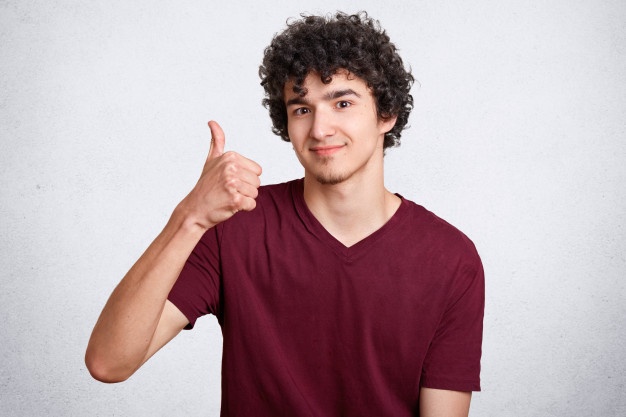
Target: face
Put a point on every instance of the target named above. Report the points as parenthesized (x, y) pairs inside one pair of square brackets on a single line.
[(334, 128)]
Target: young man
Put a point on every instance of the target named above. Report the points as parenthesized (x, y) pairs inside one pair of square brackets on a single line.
[(335, 296)]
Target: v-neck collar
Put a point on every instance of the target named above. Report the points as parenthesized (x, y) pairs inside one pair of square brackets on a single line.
[(348, 253)]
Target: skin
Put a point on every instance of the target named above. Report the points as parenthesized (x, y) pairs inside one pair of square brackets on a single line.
[(338, 138), (444, 403), (137, 320)]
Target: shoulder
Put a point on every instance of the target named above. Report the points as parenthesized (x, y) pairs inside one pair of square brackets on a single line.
[(443, 239), (449, 252)]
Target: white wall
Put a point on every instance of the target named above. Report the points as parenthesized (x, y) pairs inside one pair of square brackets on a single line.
[(518, 138)]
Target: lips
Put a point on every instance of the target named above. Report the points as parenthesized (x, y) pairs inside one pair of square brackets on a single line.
[(326, 150)]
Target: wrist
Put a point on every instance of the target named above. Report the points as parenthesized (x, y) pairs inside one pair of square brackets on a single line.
[(187, 220)]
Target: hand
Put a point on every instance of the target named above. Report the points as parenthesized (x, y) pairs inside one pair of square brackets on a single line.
[(229, 183)]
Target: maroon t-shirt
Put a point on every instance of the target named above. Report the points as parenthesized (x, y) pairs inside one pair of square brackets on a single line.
[(314, 328)]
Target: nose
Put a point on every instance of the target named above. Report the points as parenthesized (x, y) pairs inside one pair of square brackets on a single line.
[(323, 125)]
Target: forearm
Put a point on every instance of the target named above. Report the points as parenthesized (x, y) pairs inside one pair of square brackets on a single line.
[(122, 335)]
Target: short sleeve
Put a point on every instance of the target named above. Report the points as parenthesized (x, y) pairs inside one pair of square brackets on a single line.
[(197, 289), (453, 358)]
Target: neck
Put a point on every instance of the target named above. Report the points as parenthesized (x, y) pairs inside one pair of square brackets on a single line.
[(352, 209)]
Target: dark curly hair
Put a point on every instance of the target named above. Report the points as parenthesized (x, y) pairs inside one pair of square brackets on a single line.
[(325, 45)]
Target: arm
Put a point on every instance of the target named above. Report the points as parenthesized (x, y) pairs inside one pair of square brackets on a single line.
[(453, 359), (137, 320), (444, 403)]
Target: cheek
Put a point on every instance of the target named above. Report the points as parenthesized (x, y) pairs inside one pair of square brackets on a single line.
[(297, 134), (299, 157), (294, 138)]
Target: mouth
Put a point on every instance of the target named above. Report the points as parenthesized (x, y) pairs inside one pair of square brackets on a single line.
[(326, 150)]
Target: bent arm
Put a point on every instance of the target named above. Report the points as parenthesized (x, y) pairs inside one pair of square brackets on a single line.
[(444, 403), (136, 320)]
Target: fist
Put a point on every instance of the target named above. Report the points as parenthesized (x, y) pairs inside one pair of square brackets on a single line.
[(229, 183)]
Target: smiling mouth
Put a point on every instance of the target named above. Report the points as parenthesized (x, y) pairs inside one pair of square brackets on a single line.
[(326, 150)]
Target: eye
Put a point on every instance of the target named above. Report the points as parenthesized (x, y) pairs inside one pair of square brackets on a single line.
[(300, 111), (343, 104)]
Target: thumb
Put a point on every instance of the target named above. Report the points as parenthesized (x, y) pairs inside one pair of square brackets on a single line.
[(217, 140)]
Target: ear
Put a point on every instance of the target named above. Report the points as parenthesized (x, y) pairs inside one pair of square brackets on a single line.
[(386, 124)]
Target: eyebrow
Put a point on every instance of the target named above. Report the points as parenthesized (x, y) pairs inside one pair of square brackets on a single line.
[(331, 95)]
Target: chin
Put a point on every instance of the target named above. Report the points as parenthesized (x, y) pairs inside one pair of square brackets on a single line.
[(330, 178)]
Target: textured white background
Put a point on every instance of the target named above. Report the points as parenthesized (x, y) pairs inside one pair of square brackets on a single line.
[(518, 138)]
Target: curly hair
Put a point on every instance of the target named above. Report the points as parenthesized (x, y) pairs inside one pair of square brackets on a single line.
[(325, 45)]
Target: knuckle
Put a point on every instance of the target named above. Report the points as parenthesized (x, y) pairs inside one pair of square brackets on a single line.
[(231, 183), (231, 167), (229, 156), (236, 201)]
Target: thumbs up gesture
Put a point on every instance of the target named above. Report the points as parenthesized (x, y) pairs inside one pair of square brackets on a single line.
[(229, 183)]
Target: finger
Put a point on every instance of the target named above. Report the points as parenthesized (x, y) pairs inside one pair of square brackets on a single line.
[(247, 204), (251, 166), (237, 163), (217, 140), (249, 177), (240, 202), (247, 190)]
